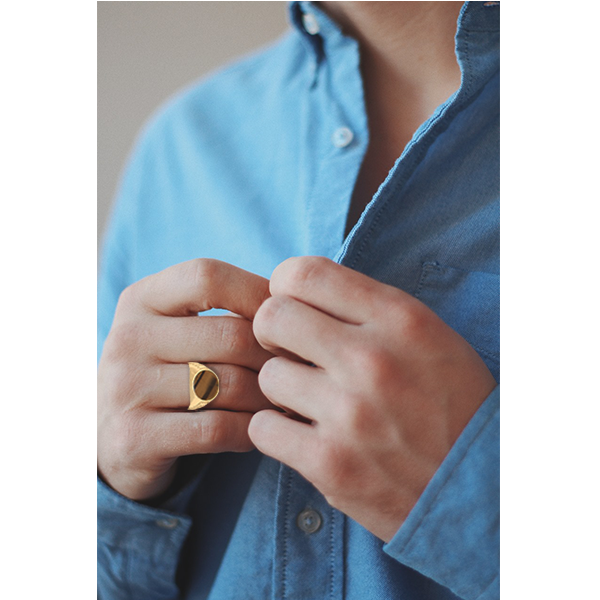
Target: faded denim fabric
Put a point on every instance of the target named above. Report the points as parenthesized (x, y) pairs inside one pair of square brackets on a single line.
[(259, 153)]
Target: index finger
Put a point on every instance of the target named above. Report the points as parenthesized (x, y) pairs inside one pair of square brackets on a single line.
[(201, 284), (332, 288)]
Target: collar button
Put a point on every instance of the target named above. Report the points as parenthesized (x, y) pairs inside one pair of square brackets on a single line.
[(342, 137), (310, 23)]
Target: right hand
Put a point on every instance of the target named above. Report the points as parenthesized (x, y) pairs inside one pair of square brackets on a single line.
[(143, 378)]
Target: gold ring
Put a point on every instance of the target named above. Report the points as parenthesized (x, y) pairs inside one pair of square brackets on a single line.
[(204, 385)]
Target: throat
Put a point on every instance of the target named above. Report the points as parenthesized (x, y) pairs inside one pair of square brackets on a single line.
[(373, 171), (393, 121), (408, 67)]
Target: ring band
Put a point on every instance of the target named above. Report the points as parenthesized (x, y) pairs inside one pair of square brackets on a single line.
[(204, 385)]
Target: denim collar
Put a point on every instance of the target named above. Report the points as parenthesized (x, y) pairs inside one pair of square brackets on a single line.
[(474, 17), (476, 42)]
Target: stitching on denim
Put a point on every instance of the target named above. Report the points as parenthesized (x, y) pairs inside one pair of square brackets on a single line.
[(411, 167), (468, 62), (489, 354), (443, 485), (331, 554), (427, 268), (462, 100), (344, 554), (284, 560)]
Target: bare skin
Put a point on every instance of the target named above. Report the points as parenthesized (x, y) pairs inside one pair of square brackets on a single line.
[(408, 66), (143, 422), (392, 387)]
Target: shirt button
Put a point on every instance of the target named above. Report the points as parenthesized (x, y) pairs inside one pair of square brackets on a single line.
[(309, 520), (310, 23), (342, 137), (168, 523)]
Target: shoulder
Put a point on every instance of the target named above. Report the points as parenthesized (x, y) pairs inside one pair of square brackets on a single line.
[(253, 85)]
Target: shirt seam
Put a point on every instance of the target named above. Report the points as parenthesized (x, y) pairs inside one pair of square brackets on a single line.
[(284, 560), (449, 117), (487, 353), (331, 554), (392, 192)]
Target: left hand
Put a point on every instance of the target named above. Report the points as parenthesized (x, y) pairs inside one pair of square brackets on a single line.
[(391, 389)]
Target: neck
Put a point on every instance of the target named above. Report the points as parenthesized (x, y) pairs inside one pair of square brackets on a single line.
[(410, 42), (408, 68)]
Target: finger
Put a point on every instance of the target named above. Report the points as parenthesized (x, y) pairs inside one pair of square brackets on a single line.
[(177, 434), (199, 285), (296, 387), (332, 288), (224, 339), (238, 388), (283, 438), (283, 322)]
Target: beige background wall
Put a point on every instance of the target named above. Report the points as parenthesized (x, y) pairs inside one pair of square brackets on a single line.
[(148, 50)]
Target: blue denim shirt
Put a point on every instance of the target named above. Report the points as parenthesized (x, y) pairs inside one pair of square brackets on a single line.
[(267, 153)]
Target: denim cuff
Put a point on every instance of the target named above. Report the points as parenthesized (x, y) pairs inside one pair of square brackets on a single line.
[(139, 545), (452, 534)]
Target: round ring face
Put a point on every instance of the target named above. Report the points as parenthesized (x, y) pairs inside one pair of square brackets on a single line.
[(204, 386)]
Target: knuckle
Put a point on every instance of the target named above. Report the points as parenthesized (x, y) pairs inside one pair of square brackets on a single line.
[(299, 273), (204, 274), (255, 427), (414, 320), (126, 434), (269, 313), (235, 336), (359, 417), (128, 298), (373, 365), (160, 376), (214, 431), (124, 340), (228, 380), (268, 376), (121, 388), (125, 382), (235, 383)]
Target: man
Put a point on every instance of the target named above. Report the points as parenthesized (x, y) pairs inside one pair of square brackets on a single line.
[(352, 451)]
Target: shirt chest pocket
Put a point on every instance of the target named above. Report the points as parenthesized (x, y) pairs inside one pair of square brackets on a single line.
[(469, 302)]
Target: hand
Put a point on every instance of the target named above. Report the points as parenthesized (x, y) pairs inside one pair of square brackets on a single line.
[(143, 377), (385, 390)]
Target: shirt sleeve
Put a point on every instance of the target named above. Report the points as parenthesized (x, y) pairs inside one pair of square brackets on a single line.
[(452, 534), (118, 256), (139, 546)]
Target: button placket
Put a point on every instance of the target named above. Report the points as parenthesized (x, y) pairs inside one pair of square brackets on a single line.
[(308, 532)]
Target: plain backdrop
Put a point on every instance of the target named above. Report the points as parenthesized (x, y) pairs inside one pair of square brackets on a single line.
[(149, 50), (550, 325)]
